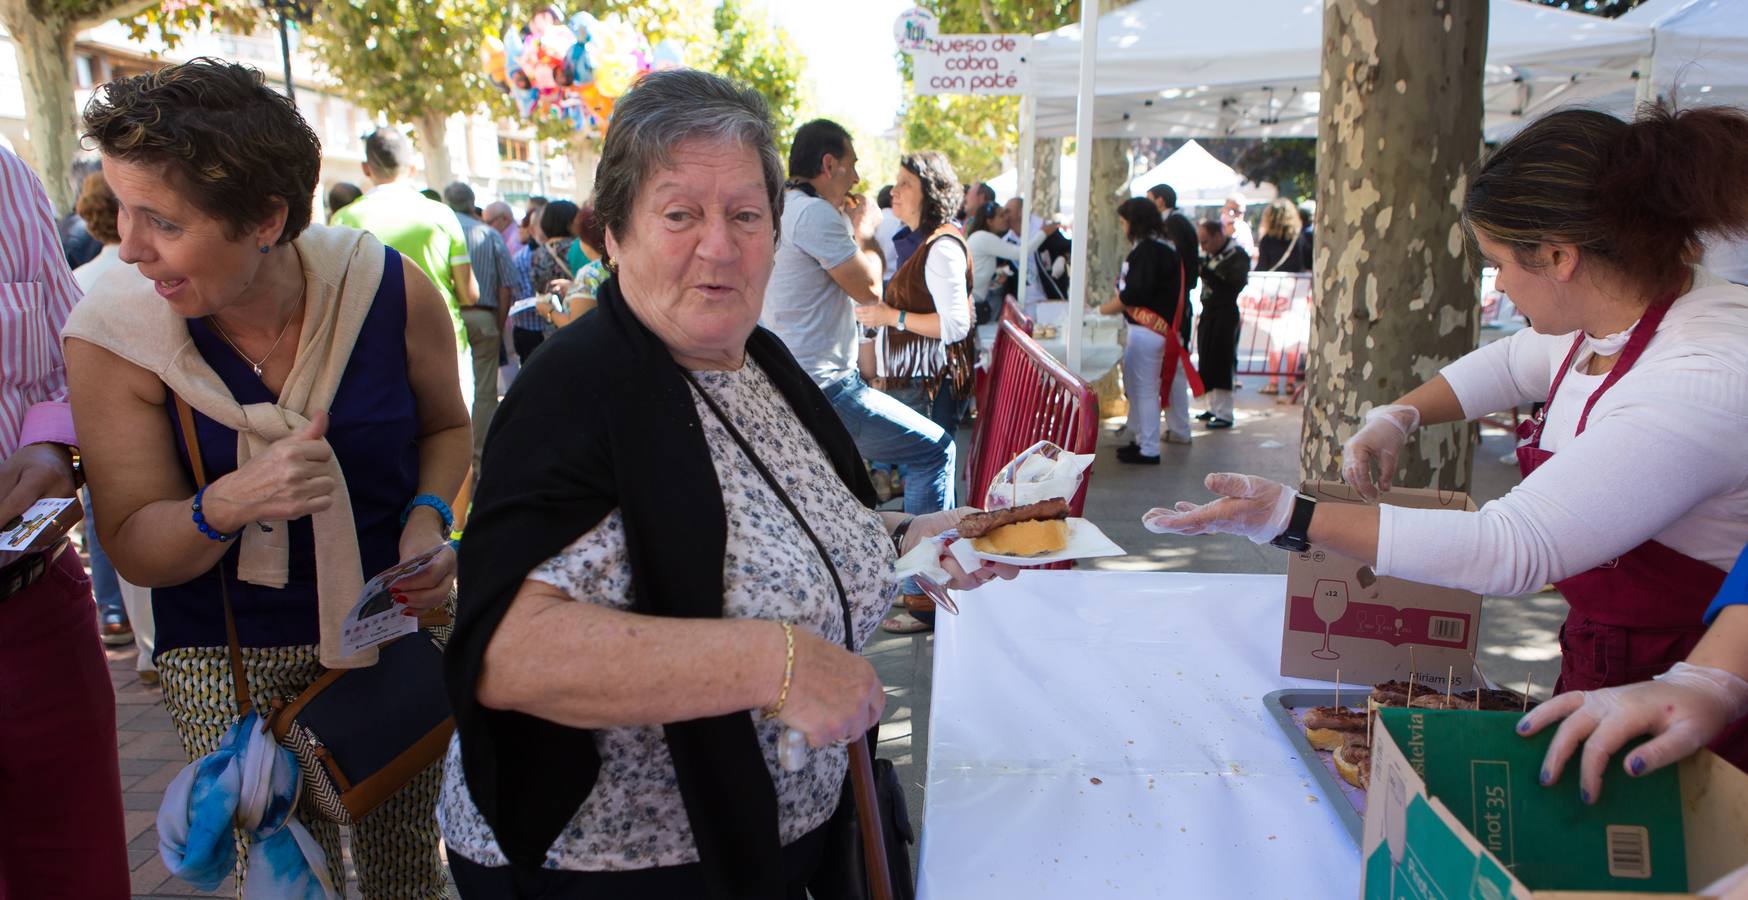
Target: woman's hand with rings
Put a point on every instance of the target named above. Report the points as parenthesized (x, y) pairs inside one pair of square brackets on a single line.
[(928, 525), (289, 481), (834, 695), (875, 315)]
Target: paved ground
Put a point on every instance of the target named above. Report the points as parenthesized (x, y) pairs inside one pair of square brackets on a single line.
[(1517, 634)]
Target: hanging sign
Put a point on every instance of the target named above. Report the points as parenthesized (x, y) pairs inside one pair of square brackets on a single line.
[(981, 64), (913, 28)]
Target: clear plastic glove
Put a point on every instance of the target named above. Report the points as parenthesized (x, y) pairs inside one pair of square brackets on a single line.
[(1685, 707), (1256, 508), (1377, 443)]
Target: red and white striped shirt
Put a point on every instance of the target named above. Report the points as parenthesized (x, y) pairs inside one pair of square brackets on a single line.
[(37, 291)]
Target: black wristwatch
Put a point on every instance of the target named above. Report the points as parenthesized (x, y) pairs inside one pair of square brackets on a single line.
[(1294, 539)]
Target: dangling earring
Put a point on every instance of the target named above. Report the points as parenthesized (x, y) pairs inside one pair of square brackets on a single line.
[(265, 248)]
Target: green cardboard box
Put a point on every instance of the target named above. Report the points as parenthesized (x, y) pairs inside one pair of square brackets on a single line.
[(1454, 810)]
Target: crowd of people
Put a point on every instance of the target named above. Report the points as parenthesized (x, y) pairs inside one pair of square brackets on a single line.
[(672, 555)]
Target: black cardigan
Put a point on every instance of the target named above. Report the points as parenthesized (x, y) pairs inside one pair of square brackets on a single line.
[(1154, 281), (602, 418)]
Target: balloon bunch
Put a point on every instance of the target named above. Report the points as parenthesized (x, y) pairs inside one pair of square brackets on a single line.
[(572, 69)]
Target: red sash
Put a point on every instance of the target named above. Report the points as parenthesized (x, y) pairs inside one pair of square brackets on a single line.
[(1176, 353)]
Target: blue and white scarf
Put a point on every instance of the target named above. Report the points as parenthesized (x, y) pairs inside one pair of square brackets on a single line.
[(249, 782)]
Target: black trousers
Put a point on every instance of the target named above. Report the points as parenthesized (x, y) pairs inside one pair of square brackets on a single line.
[(1217, 344), (476, 882)]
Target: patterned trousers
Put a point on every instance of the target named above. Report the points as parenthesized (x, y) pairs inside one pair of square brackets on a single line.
[(394, 848)]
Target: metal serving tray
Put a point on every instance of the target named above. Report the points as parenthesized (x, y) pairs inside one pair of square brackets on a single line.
[(1349, 801)]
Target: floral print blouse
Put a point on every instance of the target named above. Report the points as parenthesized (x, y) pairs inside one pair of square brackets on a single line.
[(634, 817)]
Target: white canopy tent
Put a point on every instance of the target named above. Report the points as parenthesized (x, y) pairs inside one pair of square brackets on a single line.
[(1698, 57), (1008, 183), (1171, 69), (1163, 68), (1199, 179)]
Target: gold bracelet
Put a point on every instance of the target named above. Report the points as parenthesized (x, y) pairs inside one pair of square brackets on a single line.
[(775, 710)]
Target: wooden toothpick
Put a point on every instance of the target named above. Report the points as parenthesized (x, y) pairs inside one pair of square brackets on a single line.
[(1413, 676), (1526, 689), (1450, 675), (1337, 688)]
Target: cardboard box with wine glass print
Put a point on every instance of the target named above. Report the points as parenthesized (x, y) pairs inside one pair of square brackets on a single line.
[(1340, 616)]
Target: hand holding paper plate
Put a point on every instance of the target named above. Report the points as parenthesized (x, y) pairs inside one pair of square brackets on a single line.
[(1025, 499)]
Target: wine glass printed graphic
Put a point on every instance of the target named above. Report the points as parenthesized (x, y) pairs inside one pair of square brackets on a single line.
[(1329, 601)]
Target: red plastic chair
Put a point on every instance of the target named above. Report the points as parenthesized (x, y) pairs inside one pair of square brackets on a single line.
[(1031, 398)]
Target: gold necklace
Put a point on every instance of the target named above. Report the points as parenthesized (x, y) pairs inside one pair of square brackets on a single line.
[(283, 329)]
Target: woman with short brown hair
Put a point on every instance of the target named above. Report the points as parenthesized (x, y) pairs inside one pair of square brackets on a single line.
[(326, 412)]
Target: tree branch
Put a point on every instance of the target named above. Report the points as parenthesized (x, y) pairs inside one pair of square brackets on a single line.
[(987, 9)]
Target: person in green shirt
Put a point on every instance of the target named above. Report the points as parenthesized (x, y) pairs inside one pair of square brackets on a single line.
[(423, 230)]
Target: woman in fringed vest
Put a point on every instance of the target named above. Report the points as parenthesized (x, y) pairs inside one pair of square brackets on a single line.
[(927, 346)]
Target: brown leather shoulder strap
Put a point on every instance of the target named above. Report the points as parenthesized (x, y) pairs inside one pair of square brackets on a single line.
[(185, 416)]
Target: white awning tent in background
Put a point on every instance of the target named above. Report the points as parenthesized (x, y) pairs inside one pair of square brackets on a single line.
[(1173, 69), (1699, 57), (1199, 179), (1700, 45), (1007, 183), (1166, 68)]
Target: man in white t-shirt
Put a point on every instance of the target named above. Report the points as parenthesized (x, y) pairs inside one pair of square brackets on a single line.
[(827, 261)]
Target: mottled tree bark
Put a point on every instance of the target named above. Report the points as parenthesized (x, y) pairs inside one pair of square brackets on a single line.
[(584, 152), (1045, 197), (1396, 295), (433, 131), (1106, 244), (43, 36)]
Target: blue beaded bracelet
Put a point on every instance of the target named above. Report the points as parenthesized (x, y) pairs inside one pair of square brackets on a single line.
[(205, 529), (436, 503)]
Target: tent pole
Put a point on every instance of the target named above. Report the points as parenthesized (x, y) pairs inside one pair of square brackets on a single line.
[(1645, 86), (1024, 172), (1083, 154)]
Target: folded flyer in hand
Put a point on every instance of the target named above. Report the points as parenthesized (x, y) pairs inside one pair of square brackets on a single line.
[(377, 618)]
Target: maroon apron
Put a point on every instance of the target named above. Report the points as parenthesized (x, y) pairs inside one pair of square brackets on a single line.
[(1638, 614)]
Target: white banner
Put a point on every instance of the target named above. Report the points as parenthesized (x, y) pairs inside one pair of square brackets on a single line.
[(983, 64)]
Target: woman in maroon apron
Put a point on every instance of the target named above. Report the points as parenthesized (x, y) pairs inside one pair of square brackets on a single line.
[(1594, 225)]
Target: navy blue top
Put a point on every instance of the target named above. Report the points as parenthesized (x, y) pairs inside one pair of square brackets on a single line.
[(373, 429), (1735, 589)]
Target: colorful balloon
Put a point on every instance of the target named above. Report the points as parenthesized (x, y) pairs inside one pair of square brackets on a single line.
[(572, 68)]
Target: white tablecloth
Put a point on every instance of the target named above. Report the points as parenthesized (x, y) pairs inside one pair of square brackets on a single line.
[(1152, 684)]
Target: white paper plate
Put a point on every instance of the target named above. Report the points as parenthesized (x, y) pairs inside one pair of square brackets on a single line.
[(1085, 541)]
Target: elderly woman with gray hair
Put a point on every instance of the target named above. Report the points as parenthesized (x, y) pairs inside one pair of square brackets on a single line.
[(672, 544)]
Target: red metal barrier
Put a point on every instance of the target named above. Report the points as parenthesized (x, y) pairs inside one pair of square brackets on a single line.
[(1274, 323), (1031, 398), (1010, 312)]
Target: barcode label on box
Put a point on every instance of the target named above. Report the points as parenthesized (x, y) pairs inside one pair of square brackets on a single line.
[(1445, 628), (1629, 851)]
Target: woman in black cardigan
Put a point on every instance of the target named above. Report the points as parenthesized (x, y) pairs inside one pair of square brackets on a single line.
[(671, 546)]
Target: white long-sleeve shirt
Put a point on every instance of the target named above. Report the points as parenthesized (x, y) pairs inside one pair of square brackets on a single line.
[(944, 272), (1662, 457), (986, 248)]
